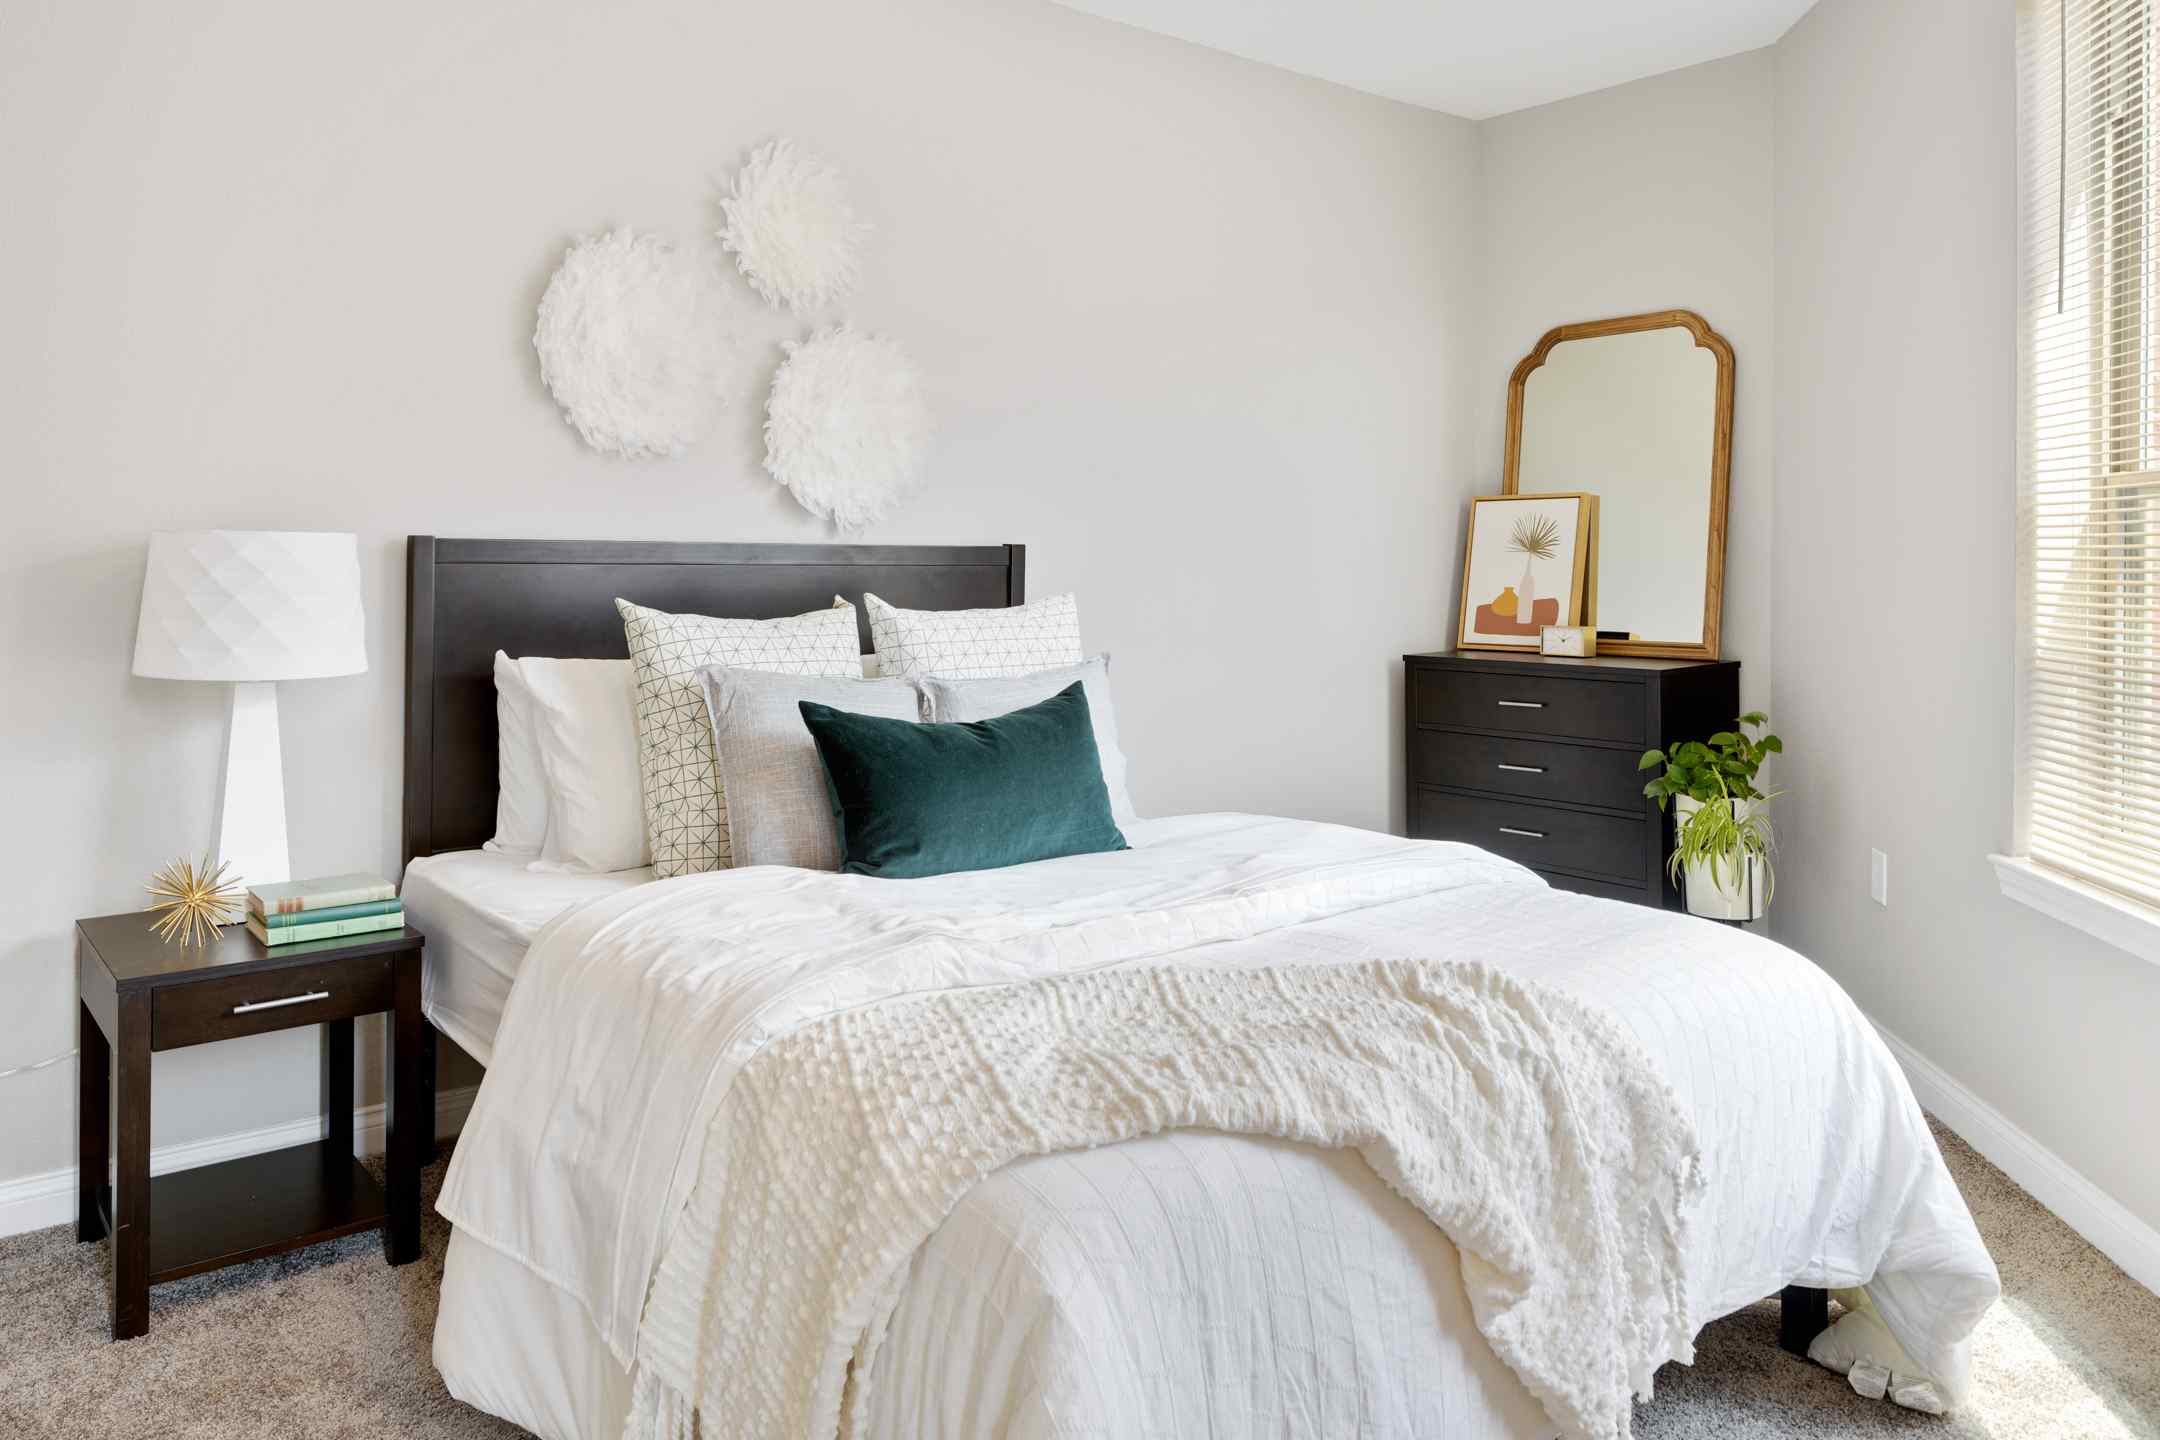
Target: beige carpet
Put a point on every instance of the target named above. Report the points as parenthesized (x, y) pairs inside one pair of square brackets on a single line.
[(332, 1343)]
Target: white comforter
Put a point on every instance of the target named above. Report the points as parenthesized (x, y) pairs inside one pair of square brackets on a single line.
[(632, 1016)]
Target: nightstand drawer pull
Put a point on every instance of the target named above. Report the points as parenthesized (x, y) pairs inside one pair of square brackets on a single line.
[(1521, 769), (278, 1004), (1520, 704), (1526, 834)]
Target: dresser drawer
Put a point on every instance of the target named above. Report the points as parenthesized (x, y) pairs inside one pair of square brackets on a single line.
[(1528, 704), (1540, 836), (1525, 768), (249, 1004)]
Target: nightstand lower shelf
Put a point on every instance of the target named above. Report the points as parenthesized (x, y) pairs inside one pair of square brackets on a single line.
[(239, 1210)]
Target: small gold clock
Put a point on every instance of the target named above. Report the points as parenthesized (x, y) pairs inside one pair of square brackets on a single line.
[(1579, 641)]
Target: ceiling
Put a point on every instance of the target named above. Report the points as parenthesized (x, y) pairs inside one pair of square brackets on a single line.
[(1474, 58)]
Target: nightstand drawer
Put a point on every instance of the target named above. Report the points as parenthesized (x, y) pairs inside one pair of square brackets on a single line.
[(1528, 704), (1526, 768), (250, 1004), (1540, 836)]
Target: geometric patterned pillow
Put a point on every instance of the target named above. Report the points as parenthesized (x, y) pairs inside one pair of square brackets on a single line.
[(975, 644), (685, 809)]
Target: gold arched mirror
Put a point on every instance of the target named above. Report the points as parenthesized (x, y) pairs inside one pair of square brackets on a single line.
[(1637, 411)]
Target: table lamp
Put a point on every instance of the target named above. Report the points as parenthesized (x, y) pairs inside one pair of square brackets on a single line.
[(251, 607)]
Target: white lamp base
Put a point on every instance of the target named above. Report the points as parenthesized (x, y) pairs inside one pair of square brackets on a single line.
[(251, 812)]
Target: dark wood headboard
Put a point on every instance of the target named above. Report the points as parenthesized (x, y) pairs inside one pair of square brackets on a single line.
[(466, 599)]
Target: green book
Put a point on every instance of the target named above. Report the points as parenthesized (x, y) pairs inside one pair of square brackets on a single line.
[(325, 929), (335, 912), (328, 893)]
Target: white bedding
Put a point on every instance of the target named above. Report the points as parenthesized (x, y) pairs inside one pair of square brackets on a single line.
[(634, 1012), (1223, 1285), (480, 912), (1322, 1295)]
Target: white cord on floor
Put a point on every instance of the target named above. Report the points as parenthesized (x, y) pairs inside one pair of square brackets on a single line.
[(26, 1069)]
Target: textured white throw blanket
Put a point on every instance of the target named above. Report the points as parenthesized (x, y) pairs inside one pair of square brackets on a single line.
[(1530, 1128)]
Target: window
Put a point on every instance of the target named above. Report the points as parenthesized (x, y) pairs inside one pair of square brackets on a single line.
[(2089, 478)]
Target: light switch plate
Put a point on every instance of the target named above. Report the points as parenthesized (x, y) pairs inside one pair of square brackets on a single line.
[(1878, 877)]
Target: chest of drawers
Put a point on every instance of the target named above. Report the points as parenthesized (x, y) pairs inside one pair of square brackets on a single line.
[(1533, 757)]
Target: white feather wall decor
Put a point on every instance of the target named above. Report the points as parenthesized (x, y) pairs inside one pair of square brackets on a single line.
[(791, 228), (846, 428), (633, 342)]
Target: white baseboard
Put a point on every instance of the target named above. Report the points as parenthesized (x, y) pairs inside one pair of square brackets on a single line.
[(2046, 1176), (36, 1201)]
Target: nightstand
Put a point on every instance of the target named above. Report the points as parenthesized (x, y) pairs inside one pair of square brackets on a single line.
[(141, 995)]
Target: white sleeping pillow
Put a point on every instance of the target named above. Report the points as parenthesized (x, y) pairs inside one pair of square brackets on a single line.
[(521, 808), (956, 700), (585, 715), (973, 644)]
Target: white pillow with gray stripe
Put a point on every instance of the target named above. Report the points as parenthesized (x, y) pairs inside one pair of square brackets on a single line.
[(948, 699), (779, 811)]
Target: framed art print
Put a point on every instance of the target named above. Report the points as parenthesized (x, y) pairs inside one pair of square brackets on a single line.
[(1527, 563)]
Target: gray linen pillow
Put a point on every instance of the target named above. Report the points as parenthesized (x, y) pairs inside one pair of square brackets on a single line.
[(958, 700), (779, 812)]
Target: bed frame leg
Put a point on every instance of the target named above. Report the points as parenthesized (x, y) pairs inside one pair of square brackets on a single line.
[(1805, 1314)]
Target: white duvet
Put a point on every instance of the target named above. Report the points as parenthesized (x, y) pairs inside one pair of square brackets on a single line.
[(632, 1016)]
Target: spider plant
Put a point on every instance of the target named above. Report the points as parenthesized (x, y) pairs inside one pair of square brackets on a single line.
[(1727, 826)]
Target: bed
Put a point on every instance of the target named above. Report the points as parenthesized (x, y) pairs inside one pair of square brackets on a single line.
[(1187, 1282)]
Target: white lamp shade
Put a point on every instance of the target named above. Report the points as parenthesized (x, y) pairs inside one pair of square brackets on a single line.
[(251, 605)]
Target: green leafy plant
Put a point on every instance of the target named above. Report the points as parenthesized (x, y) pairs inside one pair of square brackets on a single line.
[(1722, 767), (1720, 775)]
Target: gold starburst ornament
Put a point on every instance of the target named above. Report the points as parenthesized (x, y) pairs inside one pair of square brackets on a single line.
[(191, 900)]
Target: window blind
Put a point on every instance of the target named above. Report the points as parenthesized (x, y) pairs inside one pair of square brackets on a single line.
[(2089, 732)]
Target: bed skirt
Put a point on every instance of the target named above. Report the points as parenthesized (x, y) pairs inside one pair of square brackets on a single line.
[(513, 1345)]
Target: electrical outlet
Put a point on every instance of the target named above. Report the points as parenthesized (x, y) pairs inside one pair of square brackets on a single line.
[(1878, 877)]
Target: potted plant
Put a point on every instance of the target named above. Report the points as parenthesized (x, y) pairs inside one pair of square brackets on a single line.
[(1722, 852)]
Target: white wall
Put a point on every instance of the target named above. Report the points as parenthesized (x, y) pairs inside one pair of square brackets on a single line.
[(1654, 195), (1894, 556), (1193, 328)]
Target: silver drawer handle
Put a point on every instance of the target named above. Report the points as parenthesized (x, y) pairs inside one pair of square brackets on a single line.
[(1525, 769), (1521, 704), (280, 1004), (1526, 834)]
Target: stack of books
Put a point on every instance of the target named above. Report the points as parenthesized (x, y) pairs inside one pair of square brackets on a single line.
[(326, 909)]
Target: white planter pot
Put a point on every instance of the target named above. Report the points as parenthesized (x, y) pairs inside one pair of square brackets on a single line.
[(1738, 891)]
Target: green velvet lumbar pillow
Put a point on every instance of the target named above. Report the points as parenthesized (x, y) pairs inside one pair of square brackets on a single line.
[(913, 799)]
